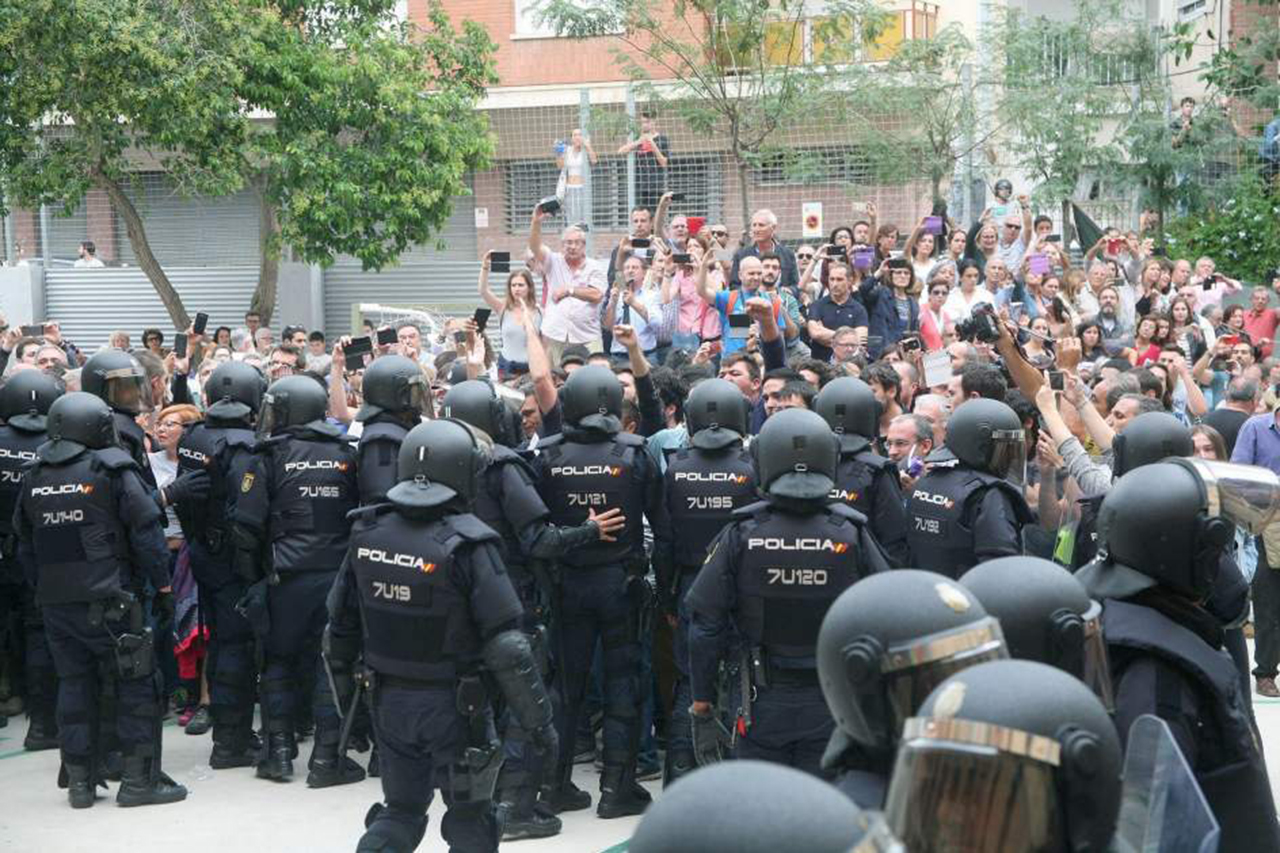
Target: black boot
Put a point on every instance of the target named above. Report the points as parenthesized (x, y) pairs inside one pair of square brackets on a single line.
[(277, 764), (567, 798), (139, 788), (620, 794), (42, 734), (678, 763), (526, 818), (232, 753), (391, 830), (80, 786), (328, 769)]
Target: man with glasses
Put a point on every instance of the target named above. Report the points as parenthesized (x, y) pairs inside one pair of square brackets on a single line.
[(719, 236), (576, 286), (764, 225), (285, 360), (1012, 245)]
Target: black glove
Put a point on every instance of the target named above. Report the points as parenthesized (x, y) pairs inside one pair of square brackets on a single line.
[(711, 739), (162, 608), (191, 488)]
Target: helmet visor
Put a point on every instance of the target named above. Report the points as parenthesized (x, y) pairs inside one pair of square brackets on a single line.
[(1097, 665), (1246, 495), (127, 390), (419, 395), (914, 669), (267, 418), (970, 787), (1009, 455)]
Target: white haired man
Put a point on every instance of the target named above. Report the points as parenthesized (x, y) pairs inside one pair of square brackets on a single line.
[(764, 225), (576, 285)]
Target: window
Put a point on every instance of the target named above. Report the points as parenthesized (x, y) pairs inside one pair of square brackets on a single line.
[(1189, 11)]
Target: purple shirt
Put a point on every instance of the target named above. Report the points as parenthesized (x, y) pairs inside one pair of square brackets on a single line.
[(1258, 443)]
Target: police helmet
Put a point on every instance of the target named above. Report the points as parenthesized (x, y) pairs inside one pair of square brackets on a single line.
[(233, 392), (1007, 755), (1150, 437), (987, 435), (592, 399), (293, 401), (795, 456), (396, 385), (117, 378), (440, 461), (749, 807), (1046, 615), (716, 415), (890, 639), (26, 397), (76, 422), (476, 402), (850, 407)]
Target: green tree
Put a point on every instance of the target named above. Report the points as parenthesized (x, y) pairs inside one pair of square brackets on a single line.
[(355, 130), (735, 69)]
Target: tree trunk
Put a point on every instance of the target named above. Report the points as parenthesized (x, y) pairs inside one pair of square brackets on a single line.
[(142, 249), (744, 180), (1068, 225), (264, 296)]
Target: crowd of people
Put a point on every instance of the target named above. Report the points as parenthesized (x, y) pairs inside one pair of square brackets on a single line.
[(931, 425)]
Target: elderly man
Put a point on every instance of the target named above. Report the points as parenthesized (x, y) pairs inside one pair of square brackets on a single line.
[(1213, 285), (264, 339), (576, 285), (764, 224), (1260, 321), (937, 408), (1015, 231), (1089, 300)]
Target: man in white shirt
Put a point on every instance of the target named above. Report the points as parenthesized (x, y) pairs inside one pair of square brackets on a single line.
[(88, 256), (576, 284)]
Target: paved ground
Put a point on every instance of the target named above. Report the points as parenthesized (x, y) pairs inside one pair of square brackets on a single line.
[(232, 811)]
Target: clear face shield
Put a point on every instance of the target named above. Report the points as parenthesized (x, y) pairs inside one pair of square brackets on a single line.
[(1096, 669), (1009, 455), (420, 399), (961, 786), (1246, 495), (913, 670), (267, 417), (127, 390)]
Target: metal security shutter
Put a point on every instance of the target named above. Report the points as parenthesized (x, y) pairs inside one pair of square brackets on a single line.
[(91, 303), (448, 287)]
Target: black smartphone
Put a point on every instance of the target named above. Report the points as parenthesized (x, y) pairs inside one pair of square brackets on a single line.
[(682, 258), (358, 347), (1057, 380), (500, 261), (679, 196), (910, 343), (1207, 284), (1053, 238), (739, 325), (202, 320), (34, 330), (549, 205), (387, 335), (835, 251), (481, 319), (460, 338), (180, 345), (640, 242)]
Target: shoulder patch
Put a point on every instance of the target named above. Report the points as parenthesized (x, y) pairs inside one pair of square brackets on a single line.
[(246, 482)]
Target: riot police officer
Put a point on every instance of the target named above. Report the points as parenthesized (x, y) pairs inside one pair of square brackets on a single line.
[(89, 536), (1007, 755), (291, 530), (883, 645), (865, 481), (968, 506), (771, 575), (508, 502), (424, 585), (603, 594), (24, 402), (757, 807), (396, 396), (1161, 533), (221, 448), (703, 485), (116, 378), (1046, 615)]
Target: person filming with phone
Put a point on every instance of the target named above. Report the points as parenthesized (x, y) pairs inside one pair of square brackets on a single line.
[(575, 284)]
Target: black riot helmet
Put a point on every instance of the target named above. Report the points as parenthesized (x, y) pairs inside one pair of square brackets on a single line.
[(233, 392), (850, 407), (795, 456), (396, 385), (1167, 524), (440, 462), (1007, 755), (1046, 615), (115, 377), (987, 435), (77, 422), (1148, 438), (476, 402), (293, 401), (749, 807), (26, 397), (592, 399), (890, 639), (716, 415)]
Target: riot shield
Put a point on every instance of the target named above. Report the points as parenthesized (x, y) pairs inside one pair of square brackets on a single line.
[(1163, 809)]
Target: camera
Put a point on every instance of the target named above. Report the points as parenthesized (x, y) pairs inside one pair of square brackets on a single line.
[(982, 325)]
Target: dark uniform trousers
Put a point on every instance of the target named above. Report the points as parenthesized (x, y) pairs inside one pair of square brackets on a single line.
[(680, 732), (791, 724), (293, 672), (40, 670), (521, 771), (231, 668)]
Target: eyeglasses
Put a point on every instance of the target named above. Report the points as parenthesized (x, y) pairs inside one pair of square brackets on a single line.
[(719, 233), (804, 256), (941, 291), (169, 424), (1012, 226), (282, 365)]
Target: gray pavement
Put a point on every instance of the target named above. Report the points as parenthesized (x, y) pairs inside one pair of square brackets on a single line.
[(232, 812)]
